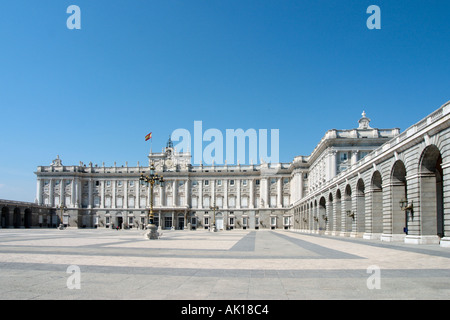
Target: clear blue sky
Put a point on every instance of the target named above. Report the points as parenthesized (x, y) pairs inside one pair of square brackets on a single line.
[(136, 66)]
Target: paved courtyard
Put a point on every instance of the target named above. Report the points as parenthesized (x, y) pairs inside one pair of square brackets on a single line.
[(202, 265)]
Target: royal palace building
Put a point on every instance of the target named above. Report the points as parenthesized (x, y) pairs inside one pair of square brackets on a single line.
[(361, 182)]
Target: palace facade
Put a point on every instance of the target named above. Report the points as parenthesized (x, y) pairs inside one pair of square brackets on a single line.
[(361, 182)]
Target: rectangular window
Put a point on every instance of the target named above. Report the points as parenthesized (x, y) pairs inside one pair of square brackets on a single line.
[(219, 202), (244, 202), (206, 202)]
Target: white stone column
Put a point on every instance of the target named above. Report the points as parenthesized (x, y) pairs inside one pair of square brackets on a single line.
[(174, 193), (113, 204), (187, 193), (62, 190), (200, 194), (102, 194), (279, 192), (238, 196), (161, 196), (90, 182), (125, 194), (225, 194), (51, 193), (252, 194), (137, 194), (354, 156), (263, 193), (333, 164), (213, 192), (74, 194)]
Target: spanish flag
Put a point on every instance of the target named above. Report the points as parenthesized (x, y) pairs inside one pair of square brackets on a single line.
[(148, 137)]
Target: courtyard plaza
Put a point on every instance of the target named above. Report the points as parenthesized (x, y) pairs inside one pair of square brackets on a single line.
[(204, 265)]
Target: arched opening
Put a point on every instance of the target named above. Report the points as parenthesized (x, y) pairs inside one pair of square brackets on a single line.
[(322, 214), (399, 226), (330, 213), (377, 204), (338, 213), (28, 221), (349, 213), (17, 219), (315, 218), (5, 217), (431, 192), (360, 214)]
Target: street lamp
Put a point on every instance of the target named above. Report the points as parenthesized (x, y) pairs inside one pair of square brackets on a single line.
[(214, 208), (409, 211), (150, 180), (62, 208)]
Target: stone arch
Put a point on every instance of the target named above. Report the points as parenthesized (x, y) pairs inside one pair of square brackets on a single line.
[(17, 218), (322, 213), (431, 192), (330, 213), (347, 220), (398, 225), (5, 217), (338, 212), (360, 214), (376, 204), (28, 218)]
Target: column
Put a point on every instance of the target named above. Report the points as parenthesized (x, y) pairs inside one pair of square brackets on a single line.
[(174, 193), (238, 196), (279, 192), (354, 156), (138, 195), (200, 194), (62, 189), (263, 192), (102, 194), (113, 200), (187, 193), (333, 164), (74, 194), (225, 194), (161, 196), (213, 192), (251, 198), (89, 194), (125, 194), (39, 191), (51, 200)]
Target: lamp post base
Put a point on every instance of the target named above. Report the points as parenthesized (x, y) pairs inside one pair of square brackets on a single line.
[(152, 232)]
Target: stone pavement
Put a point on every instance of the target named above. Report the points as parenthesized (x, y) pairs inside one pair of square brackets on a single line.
[(202, 265)]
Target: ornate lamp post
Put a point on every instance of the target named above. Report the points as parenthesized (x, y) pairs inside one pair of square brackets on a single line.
[(409, 212), (214, 208), (62, 208), (150, 180)]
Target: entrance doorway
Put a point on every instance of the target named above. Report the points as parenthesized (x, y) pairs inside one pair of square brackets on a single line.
[(180, 223), (219, 221), (119, 222)]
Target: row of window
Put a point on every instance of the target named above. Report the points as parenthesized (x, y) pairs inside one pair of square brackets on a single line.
[(131, 183), (219, 201)]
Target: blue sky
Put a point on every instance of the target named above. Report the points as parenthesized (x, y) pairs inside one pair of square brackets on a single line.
[(136, 66)]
